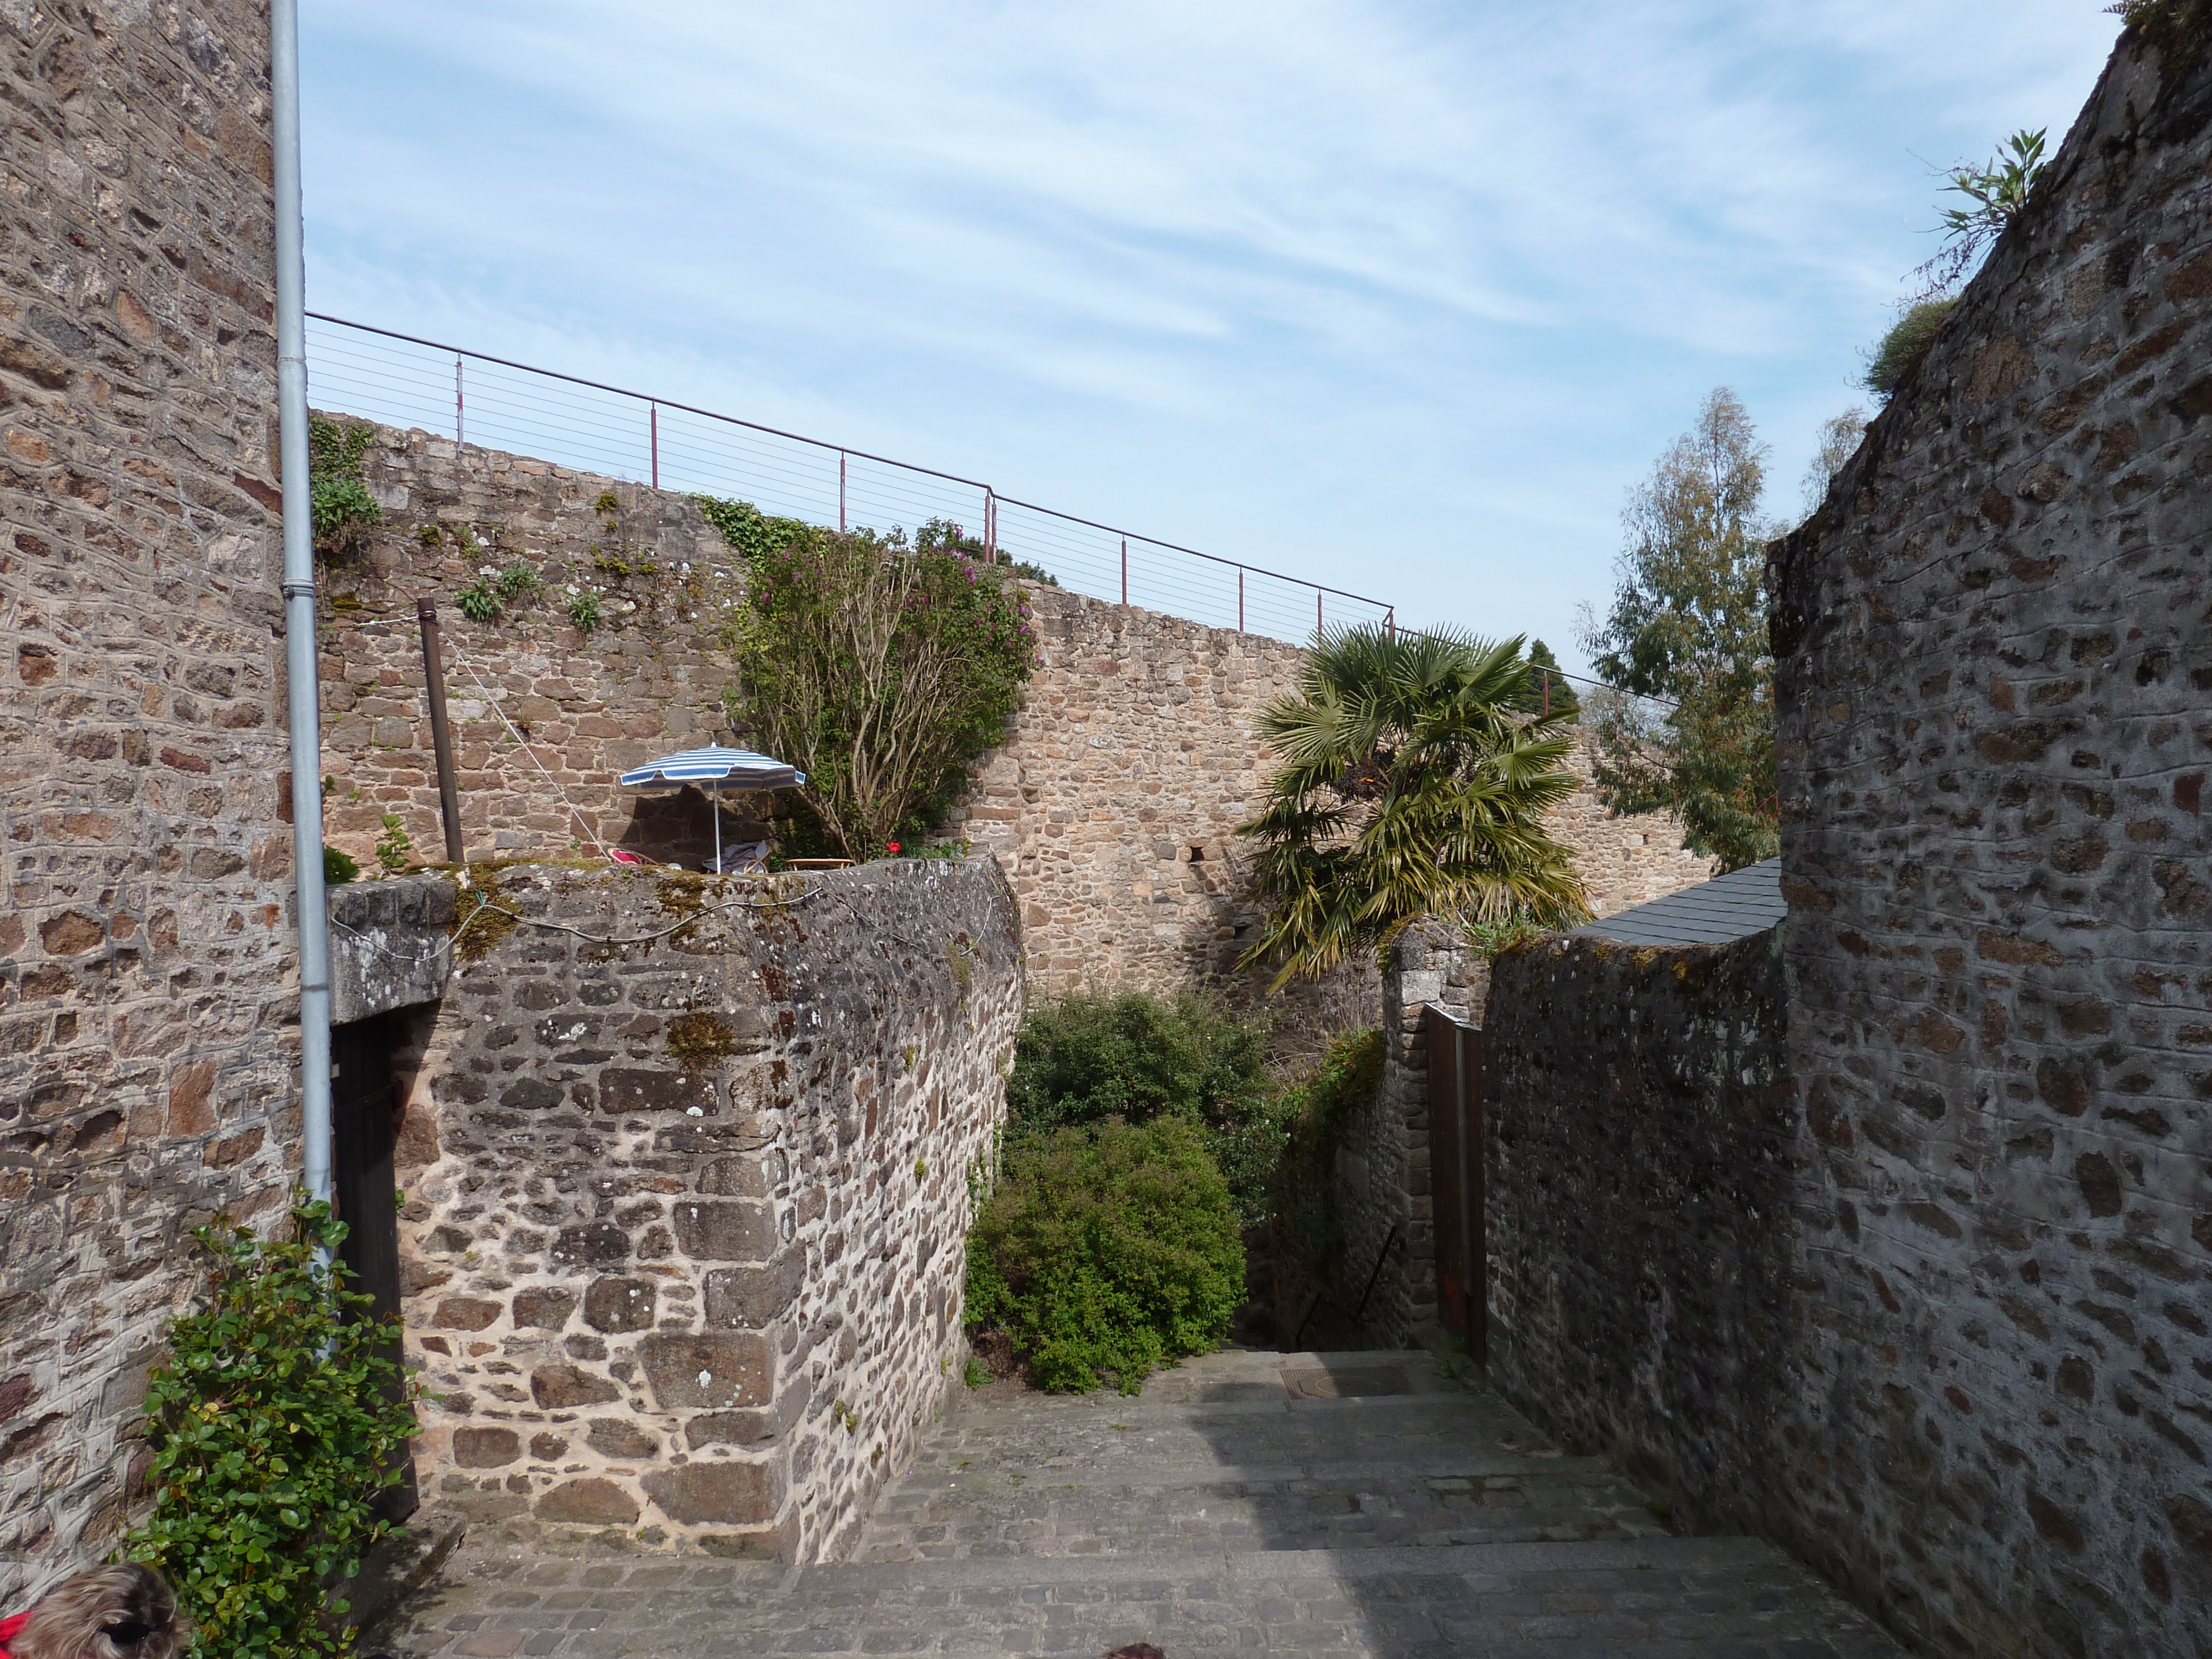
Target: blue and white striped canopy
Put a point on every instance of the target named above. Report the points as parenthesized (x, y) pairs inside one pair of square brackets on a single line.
[(714, 768)]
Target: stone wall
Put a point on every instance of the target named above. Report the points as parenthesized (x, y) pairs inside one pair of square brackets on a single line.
[(1643, 1159), (1995, 656), (145, 937), (683, 1235), (546, 717)]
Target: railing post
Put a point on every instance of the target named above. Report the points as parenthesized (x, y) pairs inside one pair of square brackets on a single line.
[(1317, 622), (1125, 570), (653, 426), (1240, 599), (841, 492), (461, 432), (1390, 621)]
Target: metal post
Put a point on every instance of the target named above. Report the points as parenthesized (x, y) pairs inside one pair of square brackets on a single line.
[(1548, 694), (991, 526), (1240, 599), (441, 736), (461, 425), (302, 694), (1390, 621), (840, 490), (653, 422), (1125, 570), (1317, 622)]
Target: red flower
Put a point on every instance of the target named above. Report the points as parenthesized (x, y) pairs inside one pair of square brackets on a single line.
[(895, 846)]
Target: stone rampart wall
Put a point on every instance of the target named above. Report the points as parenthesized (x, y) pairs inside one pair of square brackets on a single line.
[(1995, 655), (145, 964), (1643, 1161), (682, 1240)]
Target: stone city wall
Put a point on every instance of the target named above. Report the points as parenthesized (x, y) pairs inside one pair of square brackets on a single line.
[(1113, 805), (683, 1239), (1994, 660), (146, 962)]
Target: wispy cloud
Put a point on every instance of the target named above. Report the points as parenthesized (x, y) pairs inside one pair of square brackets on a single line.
[(1411, 289)]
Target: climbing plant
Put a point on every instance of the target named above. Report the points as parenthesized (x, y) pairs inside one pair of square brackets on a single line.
[(278, 1419), (877, 666), (339, 503)]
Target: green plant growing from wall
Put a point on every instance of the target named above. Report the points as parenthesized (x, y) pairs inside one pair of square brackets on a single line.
[(338, 868), (1905, 343), (584, 611), (1416, 781), (1107, 1253), (878, 667), (279, 1418), (480, 601), (393, 847), (517, 582), (339, 504)]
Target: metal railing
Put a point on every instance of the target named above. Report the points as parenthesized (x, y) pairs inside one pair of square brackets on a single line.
[(399, 380)]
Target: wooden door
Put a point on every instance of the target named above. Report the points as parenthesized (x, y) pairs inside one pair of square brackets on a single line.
[(1456, 1176)]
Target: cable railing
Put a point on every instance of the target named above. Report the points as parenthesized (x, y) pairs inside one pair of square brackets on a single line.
[(399, 380)]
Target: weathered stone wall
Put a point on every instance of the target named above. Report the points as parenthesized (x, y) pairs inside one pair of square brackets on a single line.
[(1643, 1159), (1994, 655), (682, 1237), (145, 939), (579, 708), (1114, 804)]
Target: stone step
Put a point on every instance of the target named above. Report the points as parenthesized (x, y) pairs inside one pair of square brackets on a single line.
[(1659, 1598)]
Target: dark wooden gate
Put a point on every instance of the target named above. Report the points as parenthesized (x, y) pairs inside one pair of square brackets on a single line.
[(1455, 1177), (364, 1131)]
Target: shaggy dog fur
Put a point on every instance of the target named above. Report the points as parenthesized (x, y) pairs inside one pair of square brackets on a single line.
[(108, 1612)]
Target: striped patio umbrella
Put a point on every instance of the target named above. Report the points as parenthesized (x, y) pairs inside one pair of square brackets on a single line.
[(714, 769)]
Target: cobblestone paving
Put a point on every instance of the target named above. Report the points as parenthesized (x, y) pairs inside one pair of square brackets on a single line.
[(1221, 1511)]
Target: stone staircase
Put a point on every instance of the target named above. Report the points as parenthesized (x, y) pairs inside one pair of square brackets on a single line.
[(1317, 1504)]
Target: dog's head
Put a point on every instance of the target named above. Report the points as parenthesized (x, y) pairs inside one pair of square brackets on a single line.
[(108, 1612)]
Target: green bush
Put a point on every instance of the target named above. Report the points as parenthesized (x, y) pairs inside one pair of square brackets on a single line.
[(1313, 1114), (1107, 1253), (1092, 1055), (279, 1418), (339, 505), (338, 868), (1905, 344)]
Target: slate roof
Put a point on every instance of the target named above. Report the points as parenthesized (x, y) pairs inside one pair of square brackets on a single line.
[(1730, 906)]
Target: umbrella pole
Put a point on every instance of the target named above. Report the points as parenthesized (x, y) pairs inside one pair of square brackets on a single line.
[(715, 796)]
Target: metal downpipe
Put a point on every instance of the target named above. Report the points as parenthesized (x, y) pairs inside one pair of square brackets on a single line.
[(302, 690)]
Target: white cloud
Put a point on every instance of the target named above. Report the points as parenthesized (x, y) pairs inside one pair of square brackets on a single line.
[(1421, 286)]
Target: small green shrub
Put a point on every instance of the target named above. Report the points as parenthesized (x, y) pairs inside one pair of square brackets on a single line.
[(339, 505), (280, 1416), (976, 1374), (337, 868), (1107, 1253), (1091, 1055), (750, 531), (584, 611), (1036, 572), (393, 847), (1905, 344), (480, 602), (517, 581)]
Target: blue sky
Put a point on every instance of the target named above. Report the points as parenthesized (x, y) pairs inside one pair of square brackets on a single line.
[(1398, 297)]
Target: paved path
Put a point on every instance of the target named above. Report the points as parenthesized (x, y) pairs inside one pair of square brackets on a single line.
[(1333, 1504)]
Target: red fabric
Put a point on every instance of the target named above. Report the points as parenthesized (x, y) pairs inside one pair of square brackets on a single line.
[(8, 1626)]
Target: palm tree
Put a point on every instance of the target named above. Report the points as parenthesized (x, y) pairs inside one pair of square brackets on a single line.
[(1418, 770)]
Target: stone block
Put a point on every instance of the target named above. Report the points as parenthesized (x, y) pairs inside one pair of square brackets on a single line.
[(592, 1500), (611, 1437), (486, 1448), (543, 1307), (724, 1492), (726, 1231), (614, 1305), (626, 1088), (465, 1312), (599, 1243), (734, 1177), (560, 1387), (750, 1297), (710, 1372)]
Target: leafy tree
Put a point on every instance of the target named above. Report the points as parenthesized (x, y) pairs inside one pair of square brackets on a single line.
[(1088, 1056), (1415, 782), (1114, 1250), (1840, 435), (876, 667), (279, 1418), (1688, 725), (1554, 695)]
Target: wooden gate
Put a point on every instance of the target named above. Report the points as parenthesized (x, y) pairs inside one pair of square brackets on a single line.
[(364, 1132), (1455, 1177)]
